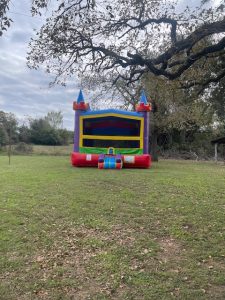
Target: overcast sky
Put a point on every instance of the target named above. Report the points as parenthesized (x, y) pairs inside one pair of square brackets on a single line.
[(25, 92)]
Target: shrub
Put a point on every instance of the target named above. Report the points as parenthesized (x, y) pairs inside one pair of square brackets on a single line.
[(23, 148)]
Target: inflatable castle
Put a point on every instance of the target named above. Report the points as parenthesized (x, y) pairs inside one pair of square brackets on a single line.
[(112, 138)]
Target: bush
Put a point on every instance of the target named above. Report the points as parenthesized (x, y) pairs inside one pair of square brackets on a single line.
[(23, 148)]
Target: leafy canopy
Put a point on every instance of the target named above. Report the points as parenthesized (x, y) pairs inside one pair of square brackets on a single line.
[(127, 38)]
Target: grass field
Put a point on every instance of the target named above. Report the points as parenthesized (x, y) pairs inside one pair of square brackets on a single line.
[(70, 233)]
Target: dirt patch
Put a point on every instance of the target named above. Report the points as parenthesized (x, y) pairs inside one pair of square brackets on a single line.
[(122, 235), (188, 227), (171, 249), (213, 263), (216, 292)]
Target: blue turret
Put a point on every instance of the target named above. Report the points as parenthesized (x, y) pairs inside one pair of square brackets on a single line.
[(143, 98), (80, 97), (80, 103)]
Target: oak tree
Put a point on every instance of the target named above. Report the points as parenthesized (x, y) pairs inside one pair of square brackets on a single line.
[(127, 38)]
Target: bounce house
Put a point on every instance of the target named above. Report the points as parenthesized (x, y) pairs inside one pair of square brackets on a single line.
[(112, 138)]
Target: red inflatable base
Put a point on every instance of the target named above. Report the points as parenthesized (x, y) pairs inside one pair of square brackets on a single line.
[(129, 161)]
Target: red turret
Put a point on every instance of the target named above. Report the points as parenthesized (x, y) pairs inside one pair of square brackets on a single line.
[(143, 105), (80, 104)]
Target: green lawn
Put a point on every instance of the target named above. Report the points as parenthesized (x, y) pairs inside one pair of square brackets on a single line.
[(69, 233)]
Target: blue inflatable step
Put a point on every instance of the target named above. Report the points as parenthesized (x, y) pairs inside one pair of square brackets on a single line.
[(110, 162)]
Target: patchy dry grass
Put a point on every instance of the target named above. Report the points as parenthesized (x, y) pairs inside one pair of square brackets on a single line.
[(43, 150), (52, 150), (70, 233)]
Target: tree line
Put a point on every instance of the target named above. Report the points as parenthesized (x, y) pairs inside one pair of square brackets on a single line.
[(47, 130)]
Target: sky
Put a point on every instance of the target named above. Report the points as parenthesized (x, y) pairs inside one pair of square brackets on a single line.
[(26, 92)]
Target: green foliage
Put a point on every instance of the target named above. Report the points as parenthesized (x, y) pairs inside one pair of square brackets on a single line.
[(24, 134), (48, 131), (176, 108), (3, 136), (42, 133), (45, 131), (55, 119), (65, 137), (177, 116), (216, 97), (8, 128)]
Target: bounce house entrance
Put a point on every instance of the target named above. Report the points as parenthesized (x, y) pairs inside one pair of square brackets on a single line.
[(110, 160)]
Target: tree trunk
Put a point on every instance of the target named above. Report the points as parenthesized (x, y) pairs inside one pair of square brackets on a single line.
[(182, 138), (153, 138), (154, 146), (170, 139), (10, 146)]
